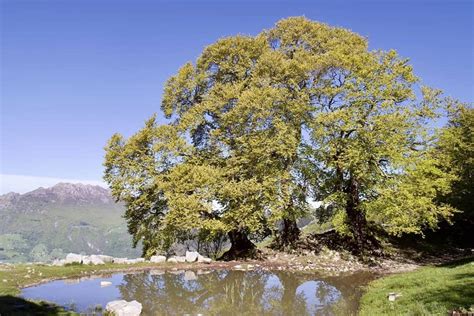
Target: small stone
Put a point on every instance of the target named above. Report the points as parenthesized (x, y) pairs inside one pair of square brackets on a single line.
[(105, 283), (393, 296)]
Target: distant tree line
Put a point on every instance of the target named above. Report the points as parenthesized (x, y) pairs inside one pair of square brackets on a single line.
[(262, 125)]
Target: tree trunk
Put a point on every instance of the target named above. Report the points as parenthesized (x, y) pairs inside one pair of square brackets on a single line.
[(288, 236), (241, 246), (356, 218)]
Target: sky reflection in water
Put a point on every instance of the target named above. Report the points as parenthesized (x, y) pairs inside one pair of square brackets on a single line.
[(219, 292)]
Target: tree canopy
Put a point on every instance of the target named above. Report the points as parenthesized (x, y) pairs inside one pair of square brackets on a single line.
[(261, 125)]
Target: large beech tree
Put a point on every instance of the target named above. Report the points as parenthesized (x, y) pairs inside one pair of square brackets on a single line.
[(260, 124)]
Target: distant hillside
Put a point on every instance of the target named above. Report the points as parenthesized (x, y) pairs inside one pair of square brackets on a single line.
[(48, 223)]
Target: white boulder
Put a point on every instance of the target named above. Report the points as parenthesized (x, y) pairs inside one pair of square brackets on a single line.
[(106, 259), (95, 260), (191, 256), (105, 283), (124, 308), (157, 259), (202, 259), (86, 260), (120, 260), (172, 260), (180, 259), (73, 258), (133, 261)]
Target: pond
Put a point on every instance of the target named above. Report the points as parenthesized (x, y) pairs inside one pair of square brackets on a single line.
[(217, 292)]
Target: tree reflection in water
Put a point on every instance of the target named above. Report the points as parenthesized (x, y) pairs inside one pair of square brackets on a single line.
[(239, 293)]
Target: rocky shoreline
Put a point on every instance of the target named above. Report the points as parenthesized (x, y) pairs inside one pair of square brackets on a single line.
[(73, 258)]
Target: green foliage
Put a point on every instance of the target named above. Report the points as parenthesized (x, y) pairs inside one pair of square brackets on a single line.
[(13, 247), (40, 253), (455, 149), (27, 236), (259, 124)]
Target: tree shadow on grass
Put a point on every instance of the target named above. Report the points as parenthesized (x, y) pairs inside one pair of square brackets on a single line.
[(452, 297), (457, 263), (458, 290), (11, 305)]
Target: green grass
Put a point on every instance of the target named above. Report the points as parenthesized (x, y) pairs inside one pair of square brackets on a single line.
[(15, 277), (431, 290), (12, 305)]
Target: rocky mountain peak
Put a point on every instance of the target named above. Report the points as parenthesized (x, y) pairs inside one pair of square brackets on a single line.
[(76, 193)]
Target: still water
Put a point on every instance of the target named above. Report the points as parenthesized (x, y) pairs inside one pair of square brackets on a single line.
[(218, 292)]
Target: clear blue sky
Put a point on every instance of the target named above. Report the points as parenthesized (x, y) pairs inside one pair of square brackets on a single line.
[(75, 72)]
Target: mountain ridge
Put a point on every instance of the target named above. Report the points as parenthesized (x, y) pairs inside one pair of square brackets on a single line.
[(61, 192), (46, 223)]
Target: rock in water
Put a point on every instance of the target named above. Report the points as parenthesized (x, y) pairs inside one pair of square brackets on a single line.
[(124, 308), (157, 272), (157, 259), (190, 276), (105, 283), (73, 258), (191, 256)]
